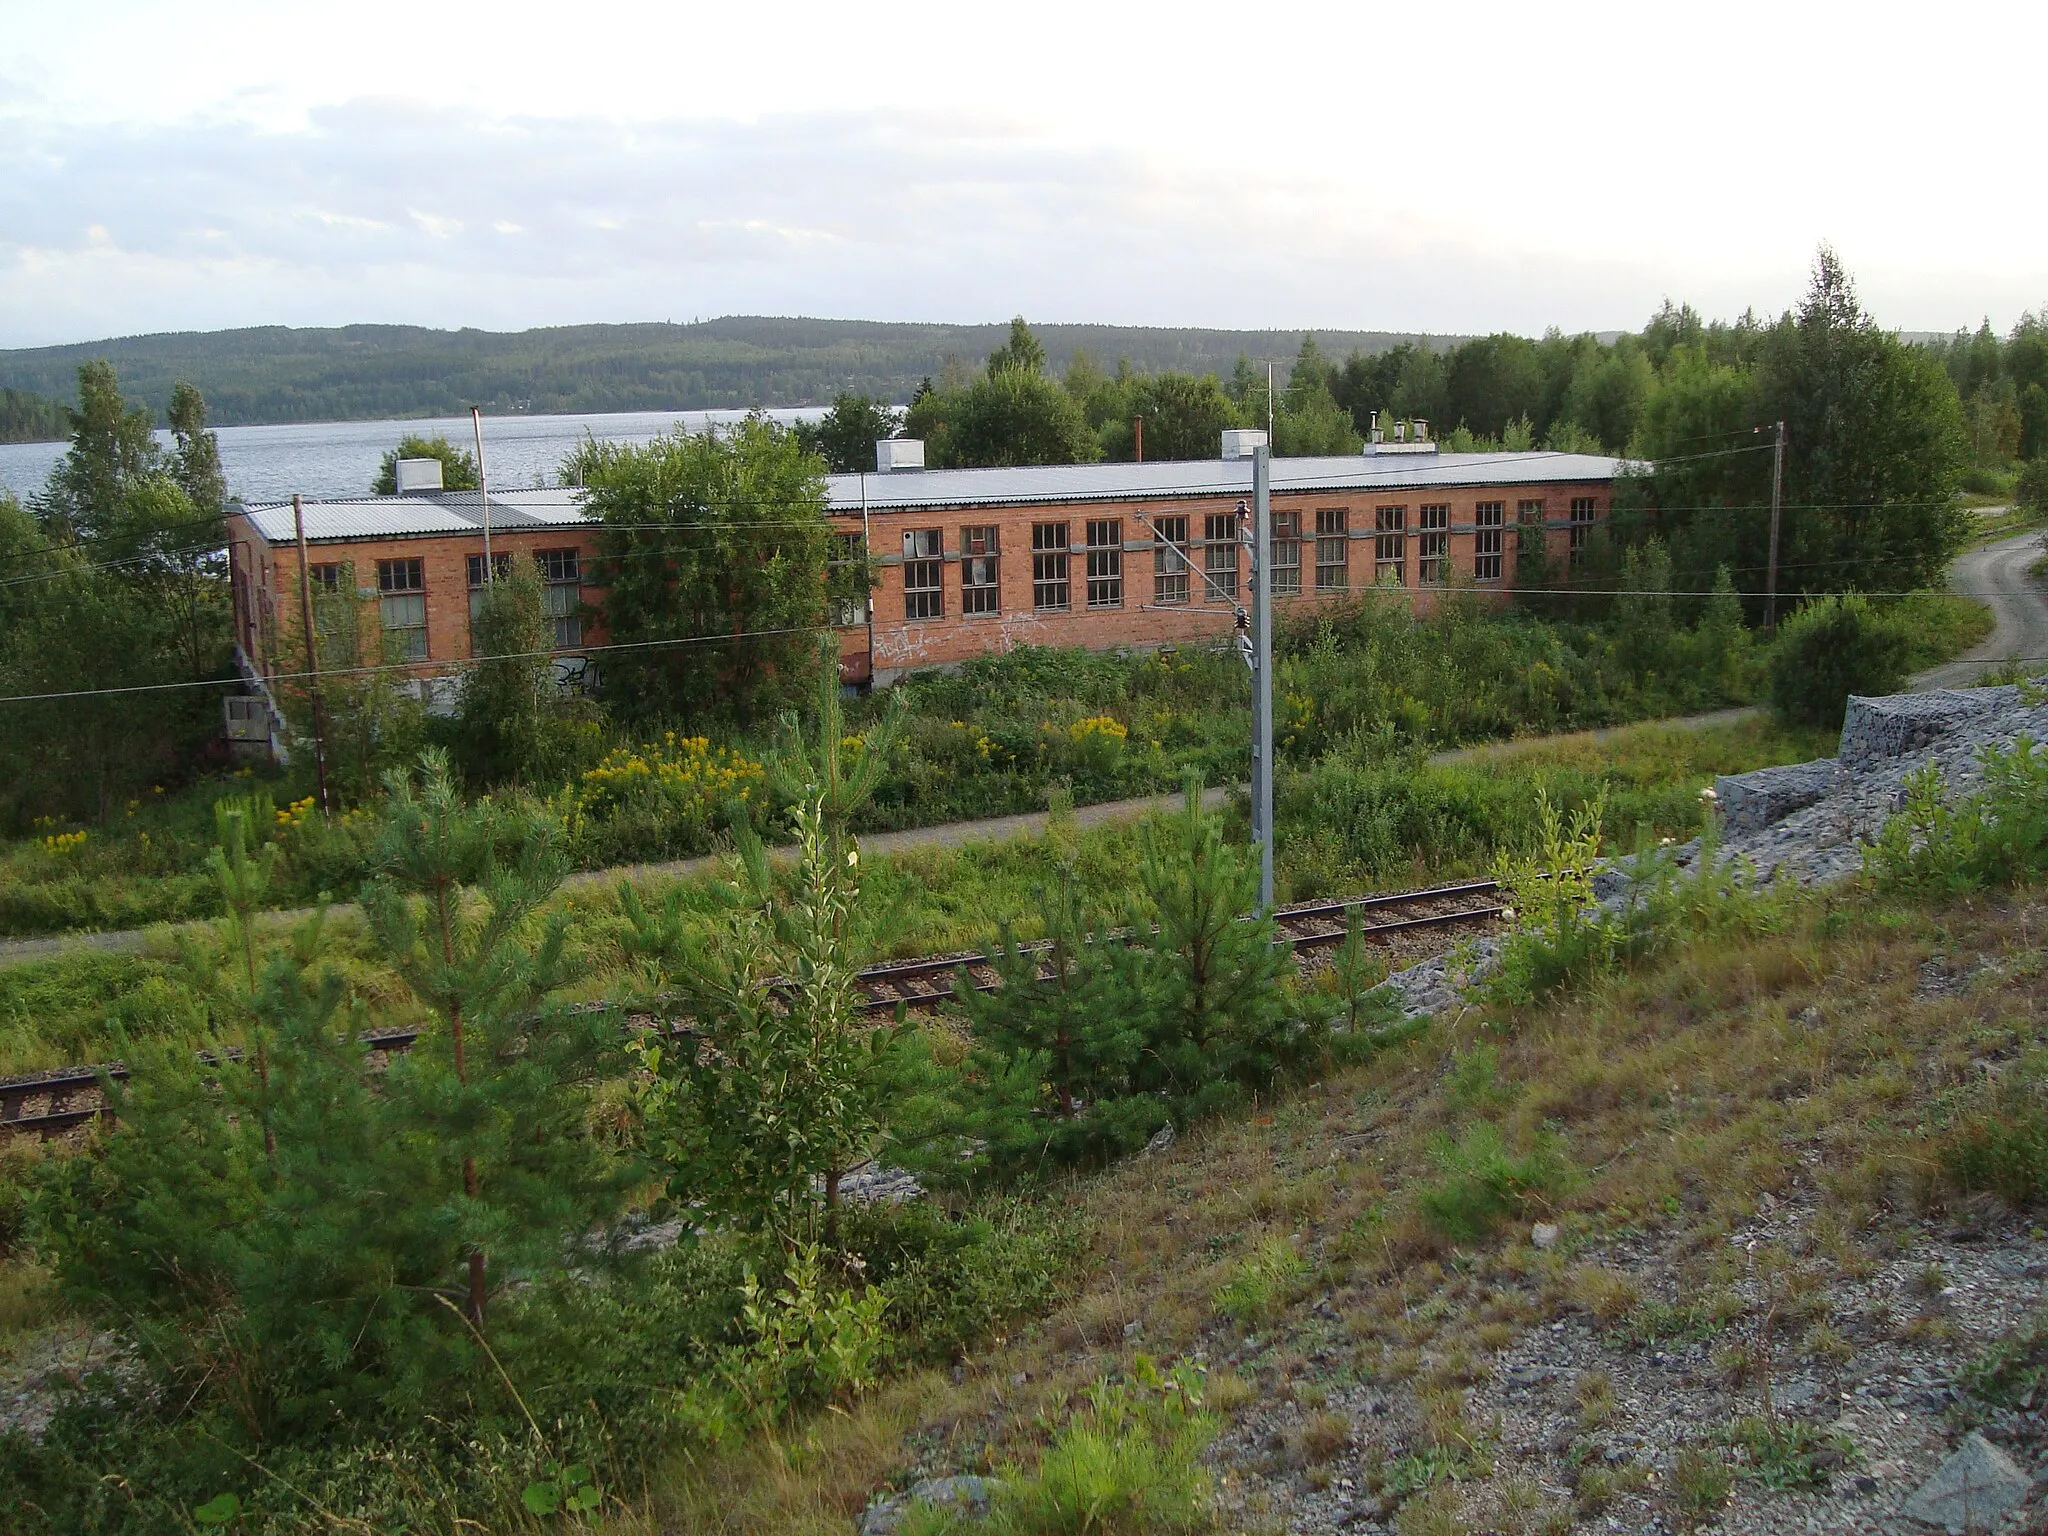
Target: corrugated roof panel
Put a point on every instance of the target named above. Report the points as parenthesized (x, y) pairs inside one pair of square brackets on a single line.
[(1218, 477), (385, 517)]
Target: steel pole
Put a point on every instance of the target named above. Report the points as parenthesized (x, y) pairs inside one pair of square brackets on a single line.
[(312, 655), (1262, 669), (483, 485)]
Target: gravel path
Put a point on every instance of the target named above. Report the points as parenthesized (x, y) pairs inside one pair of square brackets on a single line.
[(1997, 575), (951, 834)]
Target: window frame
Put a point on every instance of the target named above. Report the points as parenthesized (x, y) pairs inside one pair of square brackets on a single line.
[(924, 575), (1489, 540), (1051, 586), (402, 588), (1103, 543), (1433, 544), (1287, 553), (1584, 513), (1390, 543), (981, 574), (561, 594), (1171, 570), (1219, 555), (1333, 549)]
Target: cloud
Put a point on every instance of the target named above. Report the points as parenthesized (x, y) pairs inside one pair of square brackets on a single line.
[(390, 209)]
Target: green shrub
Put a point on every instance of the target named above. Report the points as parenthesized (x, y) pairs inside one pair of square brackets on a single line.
[(1128, 1464), (1833, 647), (1264, 1282), (1484, 1183), (1997, 836)]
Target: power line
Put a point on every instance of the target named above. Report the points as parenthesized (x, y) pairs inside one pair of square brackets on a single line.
[(423, 668)]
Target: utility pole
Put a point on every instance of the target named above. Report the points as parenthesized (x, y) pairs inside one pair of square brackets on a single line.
[(312, 655), (1777, 507), (1262, 668), (1269, 402), (483, 485)]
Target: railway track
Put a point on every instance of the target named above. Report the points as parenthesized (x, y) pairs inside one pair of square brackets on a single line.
[(59, 1100)]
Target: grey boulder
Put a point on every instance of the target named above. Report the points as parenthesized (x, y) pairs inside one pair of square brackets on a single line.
[(1972, 1491)]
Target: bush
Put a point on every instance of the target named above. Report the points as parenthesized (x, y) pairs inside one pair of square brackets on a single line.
[(1997, 836), (1483, 1183), (1126, 1465), (1829, 649)]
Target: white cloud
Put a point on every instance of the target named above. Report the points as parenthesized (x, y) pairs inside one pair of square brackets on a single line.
[(1354, 165)]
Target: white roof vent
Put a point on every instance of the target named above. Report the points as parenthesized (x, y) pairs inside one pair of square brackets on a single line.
[(898, 453), (412, 475), (1238, 442)]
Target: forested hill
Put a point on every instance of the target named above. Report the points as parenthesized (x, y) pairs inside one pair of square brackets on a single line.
[(278, 373)]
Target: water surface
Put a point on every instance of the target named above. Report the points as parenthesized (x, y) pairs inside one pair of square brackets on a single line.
[(328, 459)]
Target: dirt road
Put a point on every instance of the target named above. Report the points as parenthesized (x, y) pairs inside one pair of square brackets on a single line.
[(1997, 575)]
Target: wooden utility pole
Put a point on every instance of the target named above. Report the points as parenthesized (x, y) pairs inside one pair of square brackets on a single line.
[(1138, 437), (312, 655), (1777, 508)]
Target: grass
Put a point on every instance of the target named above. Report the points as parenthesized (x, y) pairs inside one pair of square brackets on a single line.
[(932, 900), (1684, 1093)]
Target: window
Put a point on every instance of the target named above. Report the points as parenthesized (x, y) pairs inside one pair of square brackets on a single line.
[(561, 594), (1529, 525), (1106, 564), (924, 574), (402, 595), (980, 584), (1286, 554), (1169, 566), (846, 574), (1049, 567), (325, 578), (1219, 557), (501, 566), (1333, 549), (1433, 545), (1582, 527), (1390, 545), (1490, 518)]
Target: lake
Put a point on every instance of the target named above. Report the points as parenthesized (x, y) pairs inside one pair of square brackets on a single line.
[(327, 459)]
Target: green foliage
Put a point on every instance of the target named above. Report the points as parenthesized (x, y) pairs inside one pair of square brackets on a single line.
[(1831, 648), (846, 435), (1483, 1183), (1784, 1454), (1184, 415), (2030, 490), (776, 1091), (1211, 976), (458, 465), (29, 418), (1052, 1077), (1997, 836), (1127, 1464), (508, 717), (493, 1095), (1560, 935), (1875, 440), (805, 1345), (142, 605), (1355, 979), (1998, 1143), (713, 555), (1264, 1281), (1701, 1482)]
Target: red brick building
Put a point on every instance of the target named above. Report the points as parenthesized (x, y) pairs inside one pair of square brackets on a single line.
[(968, 560)]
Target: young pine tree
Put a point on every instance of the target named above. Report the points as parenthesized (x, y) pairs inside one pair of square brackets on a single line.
[(1212, 979), (1049, 1081), (495, 1092)]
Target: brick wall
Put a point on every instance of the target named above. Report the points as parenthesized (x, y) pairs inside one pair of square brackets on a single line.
[(903, 643)]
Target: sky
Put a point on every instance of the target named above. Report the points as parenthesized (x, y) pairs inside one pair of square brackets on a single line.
[(1350, 165)]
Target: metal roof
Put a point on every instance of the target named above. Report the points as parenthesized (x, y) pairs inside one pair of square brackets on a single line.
[(461, 512), (907, 489), (420, 516)]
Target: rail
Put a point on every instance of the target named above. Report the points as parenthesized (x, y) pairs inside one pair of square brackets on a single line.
[(61, 1099)]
